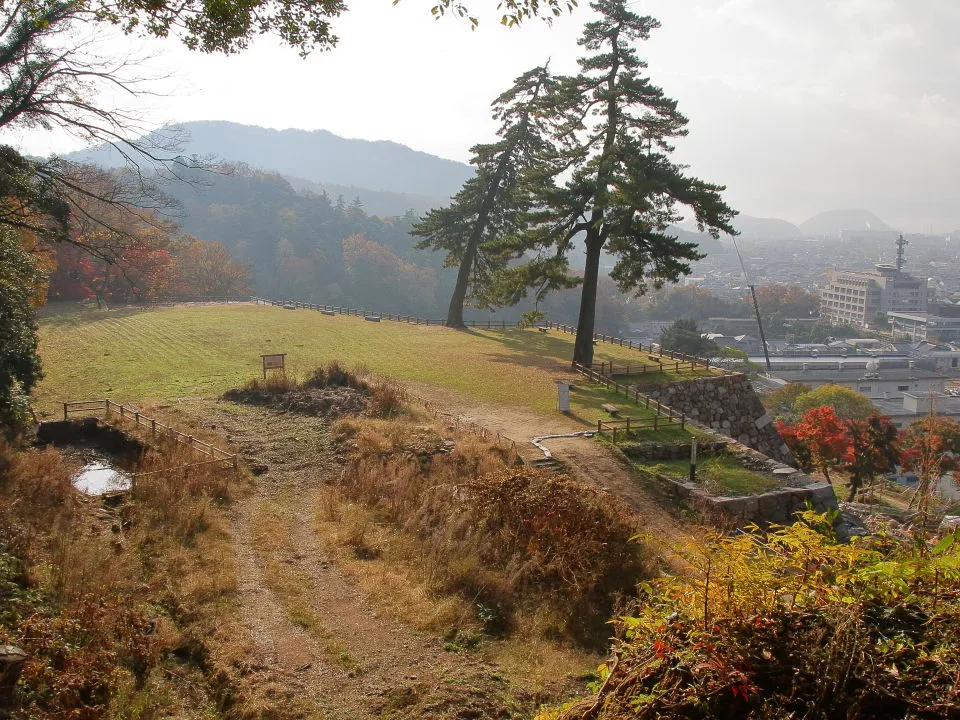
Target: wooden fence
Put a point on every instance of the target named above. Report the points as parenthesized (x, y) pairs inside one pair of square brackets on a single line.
[(613, 368), (157, 429), (662, 414), (652, 349), (377, 316), (678, 359), (461, 424)]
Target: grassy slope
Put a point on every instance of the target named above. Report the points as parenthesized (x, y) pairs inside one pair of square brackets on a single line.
[(202, 350), (722, 474)]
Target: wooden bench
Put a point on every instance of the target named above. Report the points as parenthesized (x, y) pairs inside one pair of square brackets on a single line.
[(612, 409)]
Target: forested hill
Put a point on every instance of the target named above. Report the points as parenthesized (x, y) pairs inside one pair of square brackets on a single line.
[(375, 202), (310, 246), (318, 156), (322, 248)]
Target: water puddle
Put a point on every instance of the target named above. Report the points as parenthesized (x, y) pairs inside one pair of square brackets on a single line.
[(98, 478)]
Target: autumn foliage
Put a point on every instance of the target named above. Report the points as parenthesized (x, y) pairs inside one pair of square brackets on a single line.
[(864, 449), (788, 625)]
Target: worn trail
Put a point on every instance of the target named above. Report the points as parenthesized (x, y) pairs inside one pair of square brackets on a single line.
[(320, 645)]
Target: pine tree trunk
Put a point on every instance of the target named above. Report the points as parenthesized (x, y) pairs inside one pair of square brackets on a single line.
[(583, 347), (455, 311)]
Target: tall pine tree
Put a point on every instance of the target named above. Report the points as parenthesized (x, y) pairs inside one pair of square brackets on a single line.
[(490, 205), (622, 190)]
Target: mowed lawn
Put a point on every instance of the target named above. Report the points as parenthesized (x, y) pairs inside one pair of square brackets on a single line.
[(203, 350)]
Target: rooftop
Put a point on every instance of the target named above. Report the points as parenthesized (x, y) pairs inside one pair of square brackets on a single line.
[(835, 375)]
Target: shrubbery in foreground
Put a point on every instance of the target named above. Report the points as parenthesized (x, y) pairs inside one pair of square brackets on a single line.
[(792, 624)]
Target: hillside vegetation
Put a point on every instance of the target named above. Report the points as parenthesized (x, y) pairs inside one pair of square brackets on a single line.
[(788, 625)]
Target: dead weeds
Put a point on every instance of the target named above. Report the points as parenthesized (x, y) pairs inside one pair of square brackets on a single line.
[(101, 596)]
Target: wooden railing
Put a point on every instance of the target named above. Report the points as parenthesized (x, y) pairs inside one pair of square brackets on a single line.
[(652, 348), (156, 428), (628, 425), (341, 310), (662, 414), (678, 359), (377, 316)]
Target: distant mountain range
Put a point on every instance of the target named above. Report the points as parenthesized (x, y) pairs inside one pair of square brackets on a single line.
[(766, 228), (390, 179), (837, 221), (318, 156)]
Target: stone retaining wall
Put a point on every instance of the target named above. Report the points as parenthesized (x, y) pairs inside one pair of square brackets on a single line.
[(727, 405), (775, 506), (672, 451)]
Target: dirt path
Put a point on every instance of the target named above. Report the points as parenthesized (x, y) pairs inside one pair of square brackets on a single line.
[(587, 459), (322, 650)]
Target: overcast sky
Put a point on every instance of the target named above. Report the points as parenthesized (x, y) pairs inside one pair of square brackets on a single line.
[(798, 106)]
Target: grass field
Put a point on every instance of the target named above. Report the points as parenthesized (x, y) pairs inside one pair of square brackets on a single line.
[(721, 475), (203, 350)]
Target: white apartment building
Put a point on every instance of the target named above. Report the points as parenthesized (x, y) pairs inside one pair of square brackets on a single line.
[(863, 298)]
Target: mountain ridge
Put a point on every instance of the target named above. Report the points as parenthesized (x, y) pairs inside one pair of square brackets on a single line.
[(319, 156), (833, 222)]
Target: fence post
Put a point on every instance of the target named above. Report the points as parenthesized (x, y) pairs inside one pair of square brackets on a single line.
[(64, 412), (153, 426), (106, 407), (599, 427), (655, 420)]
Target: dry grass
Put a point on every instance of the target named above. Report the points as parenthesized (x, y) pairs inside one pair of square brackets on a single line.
[(101, 596), (398, 580), (526, 553)]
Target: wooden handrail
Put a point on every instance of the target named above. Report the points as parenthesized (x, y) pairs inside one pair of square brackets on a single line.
[(198, 446)]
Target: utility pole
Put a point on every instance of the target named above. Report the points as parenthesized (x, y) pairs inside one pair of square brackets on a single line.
[(756, 305), (763, 340)]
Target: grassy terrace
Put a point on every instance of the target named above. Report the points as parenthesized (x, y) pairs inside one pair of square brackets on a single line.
[(202, 350), (719, 475)]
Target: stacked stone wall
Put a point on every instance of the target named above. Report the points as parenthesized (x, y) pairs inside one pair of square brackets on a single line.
[(797, 490), (672, 451), (727, 405)]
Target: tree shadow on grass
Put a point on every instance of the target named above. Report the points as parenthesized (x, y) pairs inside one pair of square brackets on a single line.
[(71, 314), (533, 344)]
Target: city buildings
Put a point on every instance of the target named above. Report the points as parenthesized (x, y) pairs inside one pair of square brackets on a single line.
[(940, 324), (888, 378), (864, 298)]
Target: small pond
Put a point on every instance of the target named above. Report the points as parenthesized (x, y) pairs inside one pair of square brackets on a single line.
[(108, 455), (98, 477)]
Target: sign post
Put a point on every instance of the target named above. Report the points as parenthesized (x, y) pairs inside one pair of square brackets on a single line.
[(273, 362)]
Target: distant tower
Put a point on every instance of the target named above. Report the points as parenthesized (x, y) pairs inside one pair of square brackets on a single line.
[(901, 244)]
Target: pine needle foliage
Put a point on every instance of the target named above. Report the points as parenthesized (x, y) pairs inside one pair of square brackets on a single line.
[(791, 624), (620, 188), (491, 205)]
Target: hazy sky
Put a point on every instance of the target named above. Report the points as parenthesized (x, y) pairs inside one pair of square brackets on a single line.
[(798, 106)]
